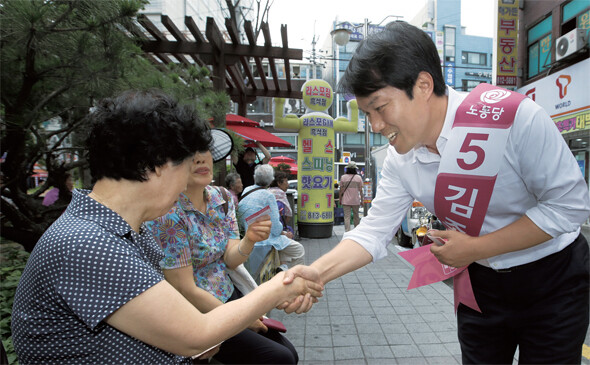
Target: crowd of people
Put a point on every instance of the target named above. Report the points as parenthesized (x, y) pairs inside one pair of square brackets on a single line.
[(136, 269), (139, 268)]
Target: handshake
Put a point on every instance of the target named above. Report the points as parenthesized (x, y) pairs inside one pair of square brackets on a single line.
[(300, 288)]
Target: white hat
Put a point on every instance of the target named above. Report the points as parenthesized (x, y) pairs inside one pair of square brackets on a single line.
[(221, 144), (351, 164)]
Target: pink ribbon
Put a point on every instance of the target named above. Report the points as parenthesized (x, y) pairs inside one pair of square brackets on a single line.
[(428, 270)]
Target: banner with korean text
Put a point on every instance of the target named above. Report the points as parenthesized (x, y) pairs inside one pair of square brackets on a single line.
[(506, 40), (565, 96)]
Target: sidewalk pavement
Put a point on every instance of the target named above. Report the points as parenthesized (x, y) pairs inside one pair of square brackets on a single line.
[(369, 317)]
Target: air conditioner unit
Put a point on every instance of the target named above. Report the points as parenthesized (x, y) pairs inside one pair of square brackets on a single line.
[(569, 43)]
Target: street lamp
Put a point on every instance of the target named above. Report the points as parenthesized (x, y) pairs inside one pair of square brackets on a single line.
[(341, 36)]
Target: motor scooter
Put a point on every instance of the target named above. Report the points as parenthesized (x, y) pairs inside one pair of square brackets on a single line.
[(427, 222)]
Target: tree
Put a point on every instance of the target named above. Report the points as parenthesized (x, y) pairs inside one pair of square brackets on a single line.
[(57, 58), (238, 15)]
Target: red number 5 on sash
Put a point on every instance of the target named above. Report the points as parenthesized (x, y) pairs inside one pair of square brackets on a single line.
[(468, 147)]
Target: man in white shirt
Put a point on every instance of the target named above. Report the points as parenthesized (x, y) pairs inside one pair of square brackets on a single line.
[(529, 263)]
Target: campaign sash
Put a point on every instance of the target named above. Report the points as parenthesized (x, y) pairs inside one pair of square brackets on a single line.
[(465, 181)]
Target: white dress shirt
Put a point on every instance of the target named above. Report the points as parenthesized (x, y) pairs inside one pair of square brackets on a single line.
[(538, 177)]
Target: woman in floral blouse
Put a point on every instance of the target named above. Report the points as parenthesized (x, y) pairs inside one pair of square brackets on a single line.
[(200, 242)]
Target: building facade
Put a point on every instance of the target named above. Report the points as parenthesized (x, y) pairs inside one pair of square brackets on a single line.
[(466, 62), (554, 67)]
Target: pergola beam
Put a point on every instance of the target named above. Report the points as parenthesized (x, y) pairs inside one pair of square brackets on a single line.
[(229, 60)]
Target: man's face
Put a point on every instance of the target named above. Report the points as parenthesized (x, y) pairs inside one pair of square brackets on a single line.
[(249, 157), (402, 121)]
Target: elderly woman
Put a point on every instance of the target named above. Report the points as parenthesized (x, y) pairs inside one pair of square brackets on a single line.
[(233, 181), (278, 187), (256, 197), (201, 241), (92, 290)]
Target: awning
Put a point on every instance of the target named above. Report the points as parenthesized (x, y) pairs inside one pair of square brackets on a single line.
[(249, 130)]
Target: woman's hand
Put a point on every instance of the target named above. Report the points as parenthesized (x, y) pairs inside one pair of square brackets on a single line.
[(259, 230), (288, 234), (258, 326)]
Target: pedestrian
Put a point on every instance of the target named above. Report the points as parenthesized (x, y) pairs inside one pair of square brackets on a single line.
[(507, 187), (92, 290), (247, 161), (54, 194), (234, 185), (350, 196)]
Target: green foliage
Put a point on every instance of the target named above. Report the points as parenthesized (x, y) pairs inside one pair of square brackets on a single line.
[(12, 263), (56, 59), (284, 168)]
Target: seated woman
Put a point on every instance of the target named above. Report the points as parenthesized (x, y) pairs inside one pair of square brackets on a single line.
[(201, 241), (256, 197), (278, 188), (92, 290)]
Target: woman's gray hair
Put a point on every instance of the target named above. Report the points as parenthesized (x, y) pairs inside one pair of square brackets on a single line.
[(231, 179), (264, 175)]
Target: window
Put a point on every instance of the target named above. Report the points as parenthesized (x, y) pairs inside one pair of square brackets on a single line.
[(289, 137), (357, 138), (474, 58), (576, 14), (379, 140), (539, 47), (468, 85), (449, 44)]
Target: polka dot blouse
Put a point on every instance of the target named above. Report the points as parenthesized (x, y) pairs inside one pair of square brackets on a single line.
[(86, 265)]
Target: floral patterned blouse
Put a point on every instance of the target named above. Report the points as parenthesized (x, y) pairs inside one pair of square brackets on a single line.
[(189, 237)]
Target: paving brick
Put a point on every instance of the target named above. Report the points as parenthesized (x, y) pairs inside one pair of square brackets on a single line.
[(315, 340), (339, 340), (433, 350), (373, 339), (399, 339), (393, 328), (405, 351), (319, 329), (442, 360), (424, 337), (368, 329), (318, 354), (418, 328), (448, 336), (377, 352), (344, 329), (369, 317)]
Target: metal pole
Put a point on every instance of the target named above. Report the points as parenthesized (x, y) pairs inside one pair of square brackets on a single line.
[(367, 136)]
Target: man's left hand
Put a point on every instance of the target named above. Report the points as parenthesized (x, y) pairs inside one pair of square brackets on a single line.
[(459, 249)]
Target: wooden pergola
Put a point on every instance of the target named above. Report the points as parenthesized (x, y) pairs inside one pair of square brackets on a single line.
[(229, 62)]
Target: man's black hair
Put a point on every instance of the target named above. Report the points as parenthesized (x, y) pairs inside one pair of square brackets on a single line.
[(137, 131), (393, 57)]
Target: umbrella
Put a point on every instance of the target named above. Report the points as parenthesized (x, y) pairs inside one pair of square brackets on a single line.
[(277, 160), (283, 159), (249, 130)]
